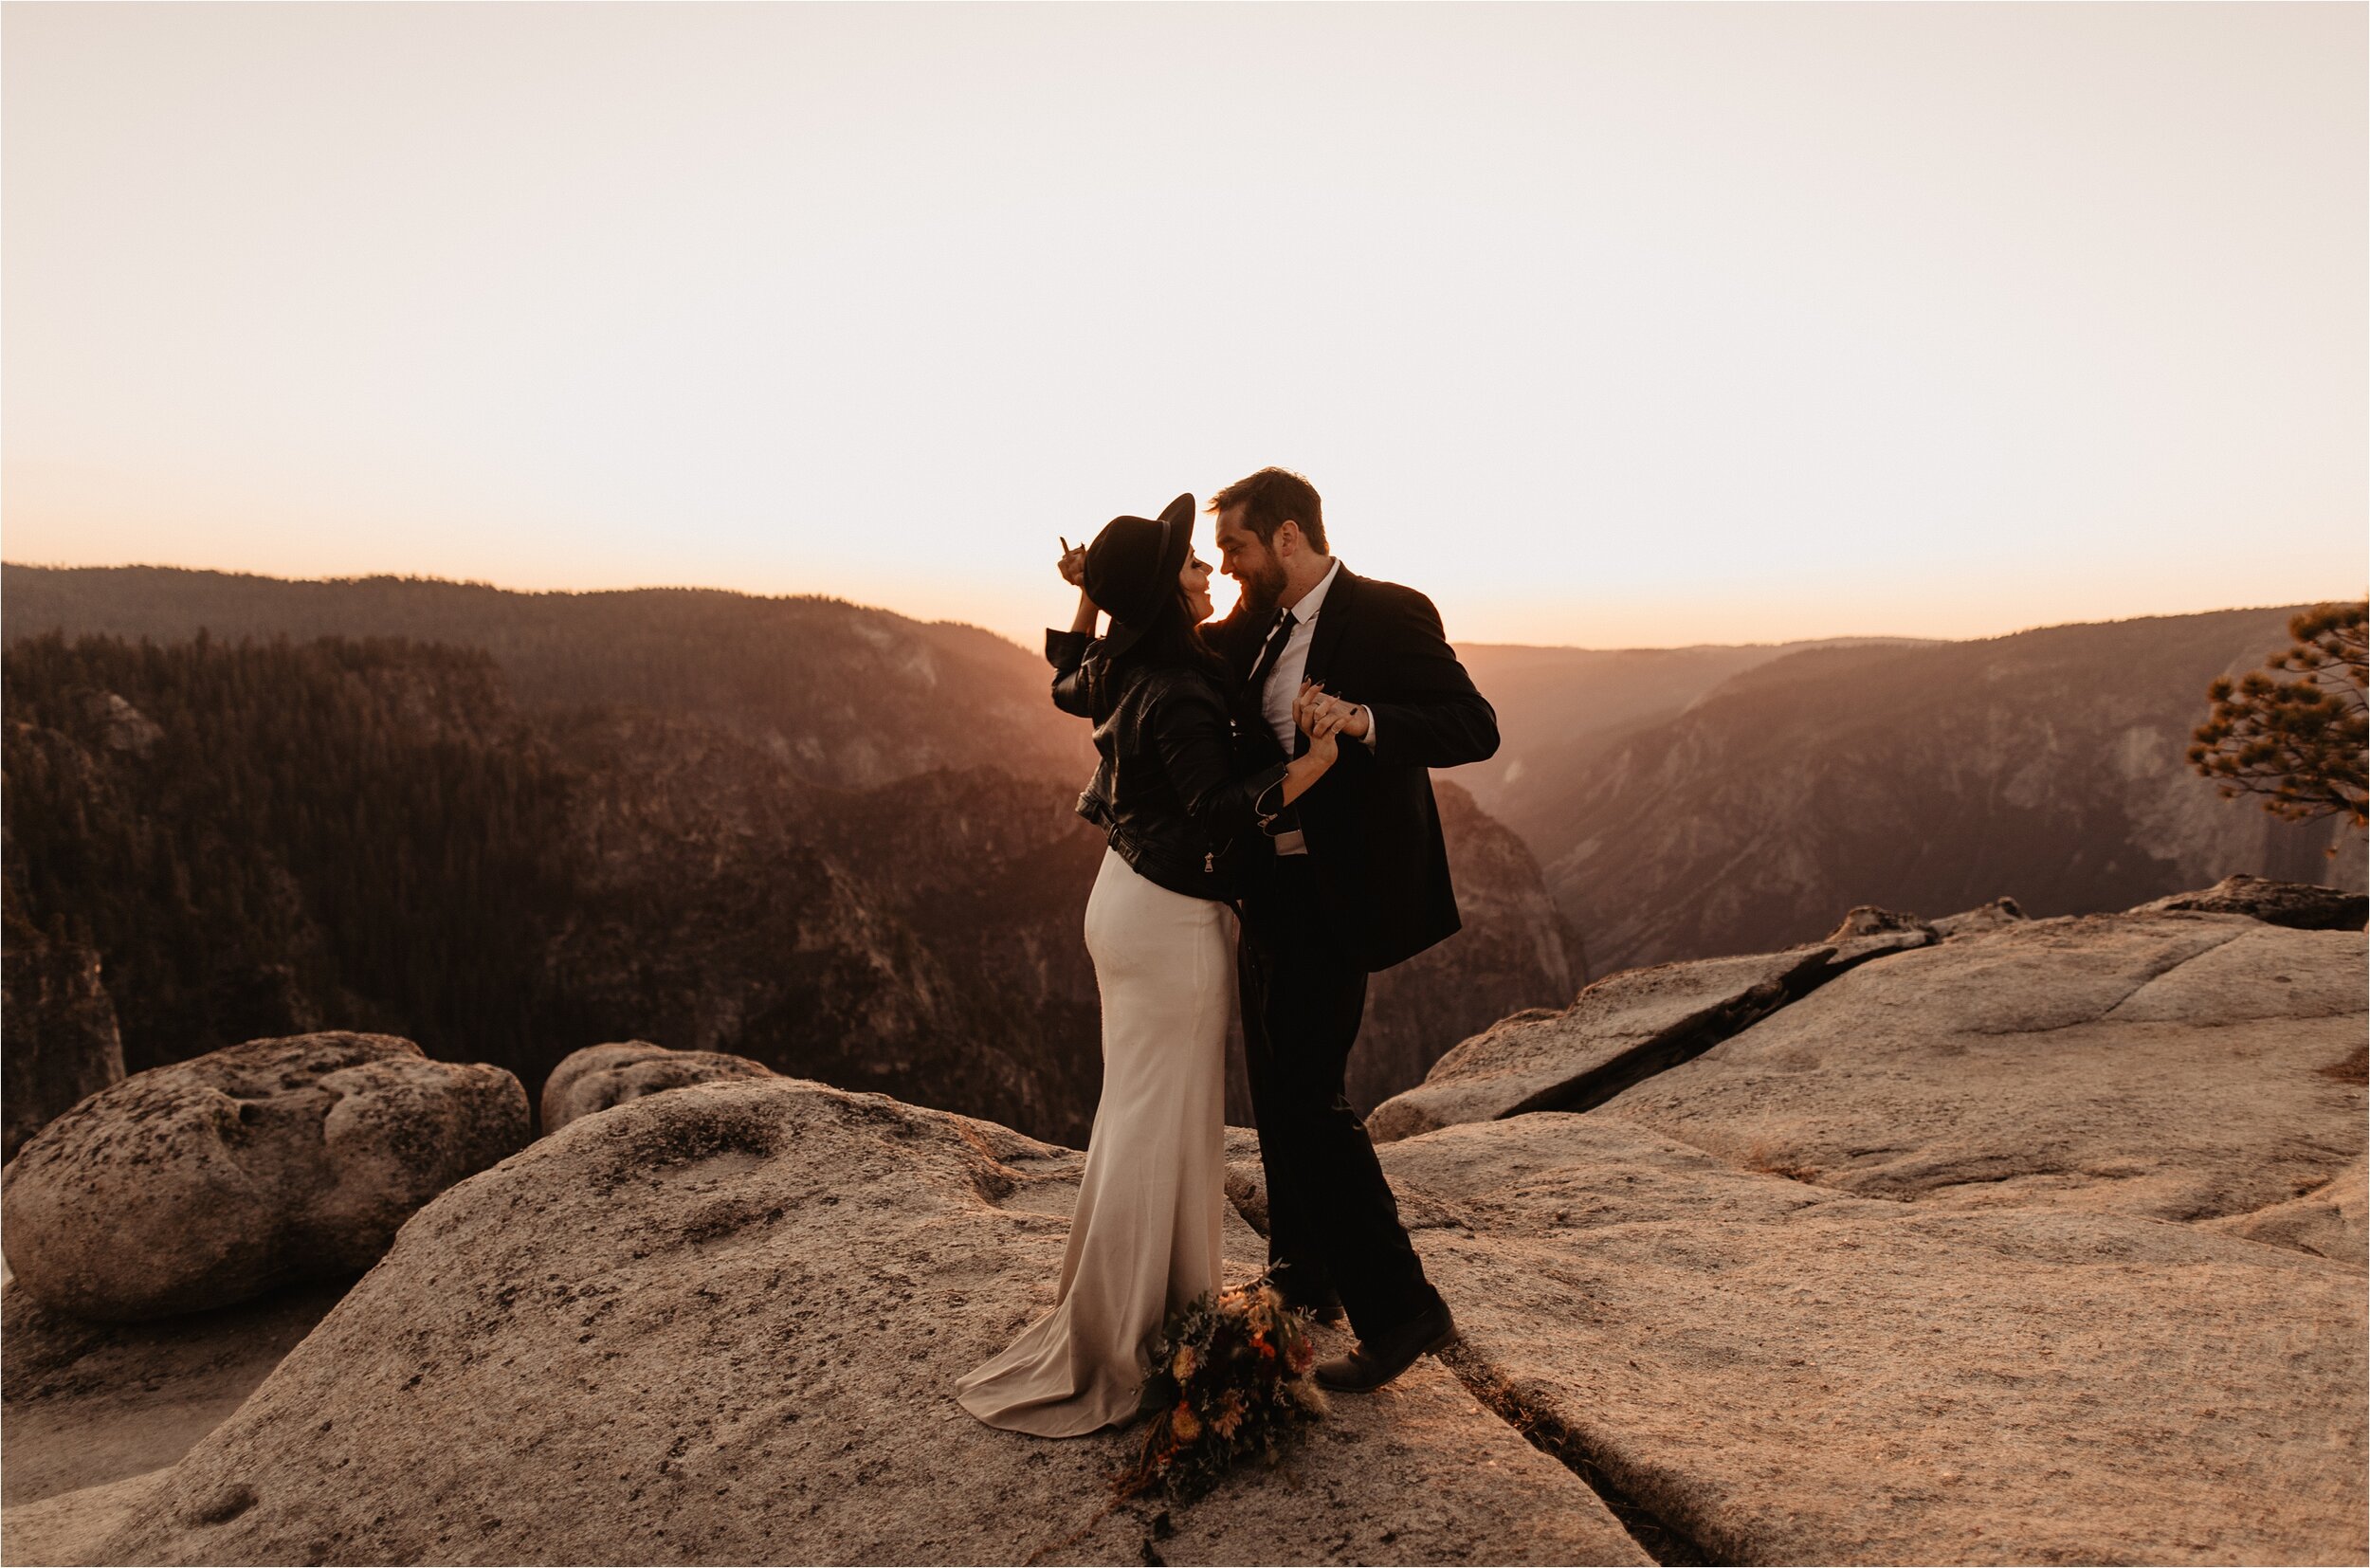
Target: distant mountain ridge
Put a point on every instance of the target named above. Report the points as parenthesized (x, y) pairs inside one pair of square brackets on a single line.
[(1557, 707), (1685, 801), (845, 694), (2047, 765)]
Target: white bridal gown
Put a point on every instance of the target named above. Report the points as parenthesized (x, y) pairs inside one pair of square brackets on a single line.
[(1144, 1236)]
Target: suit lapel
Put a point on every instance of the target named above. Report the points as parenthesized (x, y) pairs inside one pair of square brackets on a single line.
[(1332, 621)]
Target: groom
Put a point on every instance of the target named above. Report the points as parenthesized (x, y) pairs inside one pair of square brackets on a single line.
[(1352, 879)]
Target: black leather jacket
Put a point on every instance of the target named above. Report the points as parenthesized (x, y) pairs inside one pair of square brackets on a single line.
[(1169, 791)]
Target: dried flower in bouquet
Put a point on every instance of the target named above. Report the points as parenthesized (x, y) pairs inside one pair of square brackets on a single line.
[(1231, 1380)]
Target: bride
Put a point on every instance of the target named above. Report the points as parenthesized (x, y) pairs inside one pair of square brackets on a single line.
[(1144, 1235)]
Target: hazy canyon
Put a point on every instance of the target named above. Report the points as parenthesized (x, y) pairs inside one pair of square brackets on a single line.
[(1968, 1229)]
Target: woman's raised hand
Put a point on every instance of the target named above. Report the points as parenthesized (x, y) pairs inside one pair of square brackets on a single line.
[(1073, 565)]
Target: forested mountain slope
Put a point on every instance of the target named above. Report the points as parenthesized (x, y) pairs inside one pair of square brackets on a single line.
[(261, 839), (2047, 765)]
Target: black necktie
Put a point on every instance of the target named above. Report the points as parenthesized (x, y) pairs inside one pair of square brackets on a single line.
[(1270, 652)]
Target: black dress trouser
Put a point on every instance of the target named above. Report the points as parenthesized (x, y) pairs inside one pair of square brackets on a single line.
[(1331, 1217)]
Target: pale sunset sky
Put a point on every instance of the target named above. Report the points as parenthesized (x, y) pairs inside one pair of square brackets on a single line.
[(1608, 325)]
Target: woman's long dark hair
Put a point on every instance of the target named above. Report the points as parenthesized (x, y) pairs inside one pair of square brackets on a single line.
[(1173, 641)]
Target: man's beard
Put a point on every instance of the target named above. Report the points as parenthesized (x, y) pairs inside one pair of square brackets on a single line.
[(1263, 588)]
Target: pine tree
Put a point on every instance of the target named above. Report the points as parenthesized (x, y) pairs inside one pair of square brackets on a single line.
[(2298, 742)]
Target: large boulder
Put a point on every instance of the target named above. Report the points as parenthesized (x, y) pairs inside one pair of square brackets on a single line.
[(1775, 1372), (725, 1324), (212, 1180), (1624, 1029), (597, 1077), (2180, 1067)]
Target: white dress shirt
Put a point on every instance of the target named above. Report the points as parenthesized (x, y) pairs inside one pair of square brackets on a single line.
[(1283, 684), (1283, 680)]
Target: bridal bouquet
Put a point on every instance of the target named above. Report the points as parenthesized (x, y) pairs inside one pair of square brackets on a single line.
[(1230, 1379)]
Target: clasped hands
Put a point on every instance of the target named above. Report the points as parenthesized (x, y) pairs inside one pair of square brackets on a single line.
[(1321, 715)]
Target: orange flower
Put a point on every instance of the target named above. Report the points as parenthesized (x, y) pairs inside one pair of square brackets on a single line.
[(1182, 1422), (1304, 1356), (1182, 1367), (1229, 1415)]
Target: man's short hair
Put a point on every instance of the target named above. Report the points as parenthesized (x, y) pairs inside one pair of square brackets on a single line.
[(1270, 499)]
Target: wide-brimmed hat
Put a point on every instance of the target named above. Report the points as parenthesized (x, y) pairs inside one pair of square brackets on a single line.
[(1132, 568)]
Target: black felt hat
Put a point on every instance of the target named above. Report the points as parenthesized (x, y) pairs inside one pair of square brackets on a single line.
[(1132, 568)]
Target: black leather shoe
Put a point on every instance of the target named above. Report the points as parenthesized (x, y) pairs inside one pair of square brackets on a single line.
[(1384, 1355)]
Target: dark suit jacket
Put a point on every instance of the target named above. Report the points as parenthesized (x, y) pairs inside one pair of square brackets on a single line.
[(1372, 825)]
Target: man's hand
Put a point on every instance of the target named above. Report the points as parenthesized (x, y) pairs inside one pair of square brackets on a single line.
[(1315, 705)]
